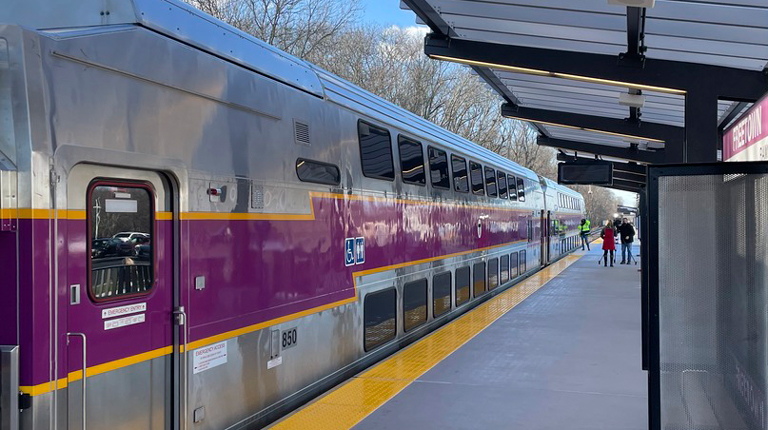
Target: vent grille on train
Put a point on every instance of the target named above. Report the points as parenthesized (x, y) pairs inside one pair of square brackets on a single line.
[(301, 132), (257, 196)]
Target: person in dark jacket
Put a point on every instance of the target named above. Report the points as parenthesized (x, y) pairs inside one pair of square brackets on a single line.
[(627, 235), (608, 243)]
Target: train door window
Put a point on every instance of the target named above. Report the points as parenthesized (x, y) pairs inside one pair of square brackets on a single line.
[(502, 183), (317, 172), (504, 276), (441, 293), (121, 220), (513, 273), (414, 304), (522, 262), (375, 151), (462, 285), (512, 188), (493, 273), (380, 317), (460, 178), (490, 182), (438, 168), (478, 278), (476, 175), (411, 161), (520, 189)]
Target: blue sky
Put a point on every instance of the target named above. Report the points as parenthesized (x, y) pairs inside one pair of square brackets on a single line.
[(386, 13)]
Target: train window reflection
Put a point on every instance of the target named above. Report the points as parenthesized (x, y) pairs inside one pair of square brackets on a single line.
[(493, 273), (441, 293), (490, 182), (513, 265), (478, 278), (411, 161), (414, 304), (120, 230), (379, 313), (504, 276), (317, 172), (460, 178), (502, 182), (476, 174), (438, 168), (462, 285), (520, 189), (376, 152), (512, 188), (522, 262)]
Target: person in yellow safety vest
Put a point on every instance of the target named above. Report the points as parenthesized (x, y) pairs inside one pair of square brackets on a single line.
[(584, 232)]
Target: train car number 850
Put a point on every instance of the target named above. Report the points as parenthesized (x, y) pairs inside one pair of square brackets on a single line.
[(289, 338)]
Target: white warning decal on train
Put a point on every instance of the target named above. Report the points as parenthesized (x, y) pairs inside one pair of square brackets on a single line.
[(123, 310), (122, 322), (209, 357)]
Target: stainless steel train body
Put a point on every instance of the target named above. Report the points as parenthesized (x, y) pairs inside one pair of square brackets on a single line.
[(215, 231)]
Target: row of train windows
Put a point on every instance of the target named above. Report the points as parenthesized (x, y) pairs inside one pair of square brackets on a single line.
[(377, 162), (380, 308), (568, 202)]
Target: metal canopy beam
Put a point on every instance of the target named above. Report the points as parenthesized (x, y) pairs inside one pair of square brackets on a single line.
[(732, 112), (671, 135), (629, 177), (632, 187), (650, 157), (635, 33), (714, 81)]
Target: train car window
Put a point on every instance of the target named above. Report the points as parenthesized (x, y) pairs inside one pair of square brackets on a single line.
[(504, 262), (411, 161), (513, 273), (460, 178), (375, 151), (501, 182), (476, 174), (512, 188), (120, 225), (493, 273), (441, 293), (478, 278), (380, 317), (520, 189), (522, 262), (438, 168), (414, 304), (490, 182), (462, 285), (317, 172)]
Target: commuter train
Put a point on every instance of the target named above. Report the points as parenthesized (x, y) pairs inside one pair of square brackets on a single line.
[(199, 231)]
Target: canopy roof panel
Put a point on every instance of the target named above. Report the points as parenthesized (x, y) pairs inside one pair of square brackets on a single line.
[(539, 55)]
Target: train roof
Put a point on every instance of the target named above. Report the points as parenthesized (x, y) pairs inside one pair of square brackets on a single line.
[(182, 22)]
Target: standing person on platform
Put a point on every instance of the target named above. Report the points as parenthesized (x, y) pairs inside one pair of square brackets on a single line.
[(608, 242), (584, 232), (627, 234)]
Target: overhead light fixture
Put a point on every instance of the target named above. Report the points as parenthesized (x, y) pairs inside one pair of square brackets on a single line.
[(579, 78), (573, 127), (634, 3), (632, 100)]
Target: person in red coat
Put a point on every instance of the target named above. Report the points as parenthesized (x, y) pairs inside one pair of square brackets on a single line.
[(609, 244)]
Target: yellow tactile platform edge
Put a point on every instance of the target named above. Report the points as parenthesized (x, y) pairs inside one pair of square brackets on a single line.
[(355, 399)]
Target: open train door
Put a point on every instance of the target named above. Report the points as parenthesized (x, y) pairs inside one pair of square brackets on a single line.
[(544, 238), (708, 296), (121, 290)]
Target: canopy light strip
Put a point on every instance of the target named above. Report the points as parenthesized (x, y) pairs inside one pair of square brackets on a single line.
[(573, 127), (537, 72)]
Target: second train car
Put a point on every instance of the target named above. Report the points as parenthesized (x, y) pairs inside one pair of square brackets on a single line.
[(200, 231)]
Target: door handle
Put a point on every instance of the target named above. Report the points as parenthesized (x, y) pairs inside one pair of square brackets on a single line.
[(85, 367)]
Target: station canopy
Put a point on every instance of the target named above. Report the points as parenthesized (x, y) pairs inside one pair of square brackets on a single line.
[(650, 85)]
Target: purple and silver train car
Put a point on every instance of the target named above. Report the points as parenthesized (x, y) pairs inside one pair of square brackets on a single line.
[(199, 231)]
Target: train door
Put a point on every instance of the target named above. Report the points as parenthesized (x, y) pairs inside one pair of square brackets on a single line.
[(121, 293), (544, 238)]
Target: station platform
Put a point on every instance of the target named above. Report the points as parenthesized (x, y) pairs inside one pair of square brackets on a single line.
[(559, 350)]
